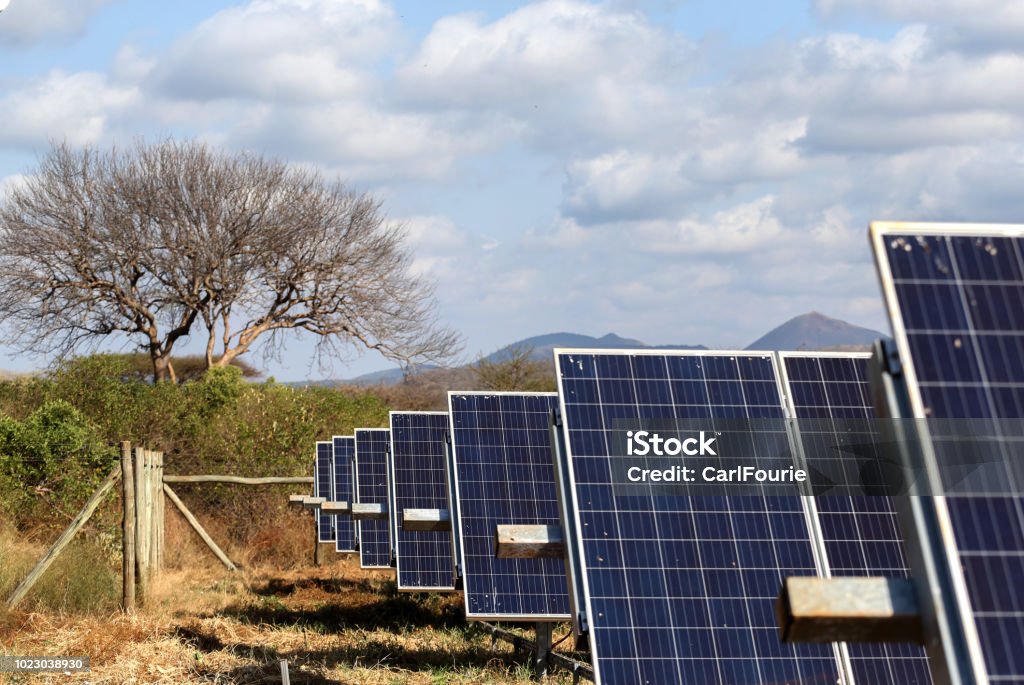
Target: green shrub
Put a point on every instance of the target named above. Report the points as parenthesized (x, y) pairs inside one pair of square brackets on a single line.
[(54, 458), (58, 438)]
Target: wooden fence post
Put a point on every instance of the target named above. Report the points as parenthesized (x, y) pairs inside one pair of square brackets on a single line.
[(142, 526), (156, 494), (127, 528)]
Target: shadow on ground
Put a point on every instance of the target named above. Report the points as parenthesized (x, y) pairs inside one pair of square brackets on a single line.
[(368, 653)]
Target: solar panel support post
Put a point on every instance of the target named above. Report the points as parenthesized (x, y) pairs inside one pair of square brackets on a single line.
[(577, 669), (941, 618), (541, 650)]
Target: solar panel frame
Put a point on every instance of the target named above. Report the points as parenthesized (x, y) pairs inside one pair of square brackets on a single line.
[(858, 658), (345, 539), (571, 509), (428, 496), (473, 545), (453, 506), (936, 556), (323, 478), (371, 480)]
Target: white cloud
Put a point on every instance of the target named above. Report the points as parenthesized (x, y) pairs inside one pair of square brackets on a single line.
[(573, 72), (740, 228), (72, 107), (982, 24), (25, 22), (432, 233), (644, 183), (362, 140), (280, 51), (540, 49)]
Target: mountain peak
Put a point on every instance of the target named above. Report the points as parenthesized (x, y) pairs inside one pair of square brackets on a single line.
[(816, 331)]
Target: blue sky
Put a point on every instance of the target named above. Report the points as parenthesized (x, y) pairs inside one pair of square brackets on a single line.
[(677, 172)]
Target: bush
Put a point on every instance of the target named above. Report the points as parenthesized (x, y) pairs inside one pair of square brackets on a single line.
[(53, 459), (58, 438)]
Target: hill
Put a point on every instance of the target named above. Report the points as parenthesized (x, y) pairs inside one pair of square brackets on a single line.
[(811, 331), (815, 331), (542, 345)]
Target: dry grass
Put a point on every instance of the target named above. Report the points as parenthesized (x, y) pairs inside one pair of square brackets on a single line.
[(337, 624), (80, 581)]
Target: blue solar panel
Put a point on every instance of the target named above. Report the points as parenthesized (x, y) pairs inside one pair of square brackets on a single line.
[(681, 589), (322, 488), (344, 526), (372, 488), (955, 296), (423, 559), (504, 474), (830, 393)]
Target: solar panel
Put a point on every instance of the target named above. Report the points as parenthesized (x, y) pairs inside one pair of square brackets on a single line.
[(344, 526), (372, 488), (829, 394), (423, 559), (955, 295), (501, 452), (322, 488), (677, 588)]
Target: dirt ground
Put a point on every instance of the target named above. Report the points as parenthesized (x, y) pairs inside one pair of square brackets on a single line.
[(337, 624)]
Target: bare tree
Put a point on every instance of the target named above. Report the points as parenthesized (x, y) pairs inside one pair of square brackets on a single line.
[(515, 369), (154, 241)]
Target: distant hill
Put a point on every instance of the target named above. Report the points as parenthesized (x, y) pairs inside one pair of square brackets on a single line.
[(815, 331), (542, 345), (812, 331)]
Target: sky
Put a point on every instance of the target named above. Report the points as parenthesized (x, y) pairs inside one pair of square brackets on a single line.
[(673, 171)]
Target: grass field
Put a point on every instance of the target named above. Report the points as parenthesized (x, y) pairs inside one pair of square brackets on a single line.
[(335, 624)]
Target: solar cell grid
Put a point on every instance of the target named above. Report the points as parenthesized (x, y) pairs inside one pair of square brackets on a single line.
[(372, 488), (681, 589), (418, 474), (324, 459), (955, 295), (344, 526), (504, 475), (830, 394)]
